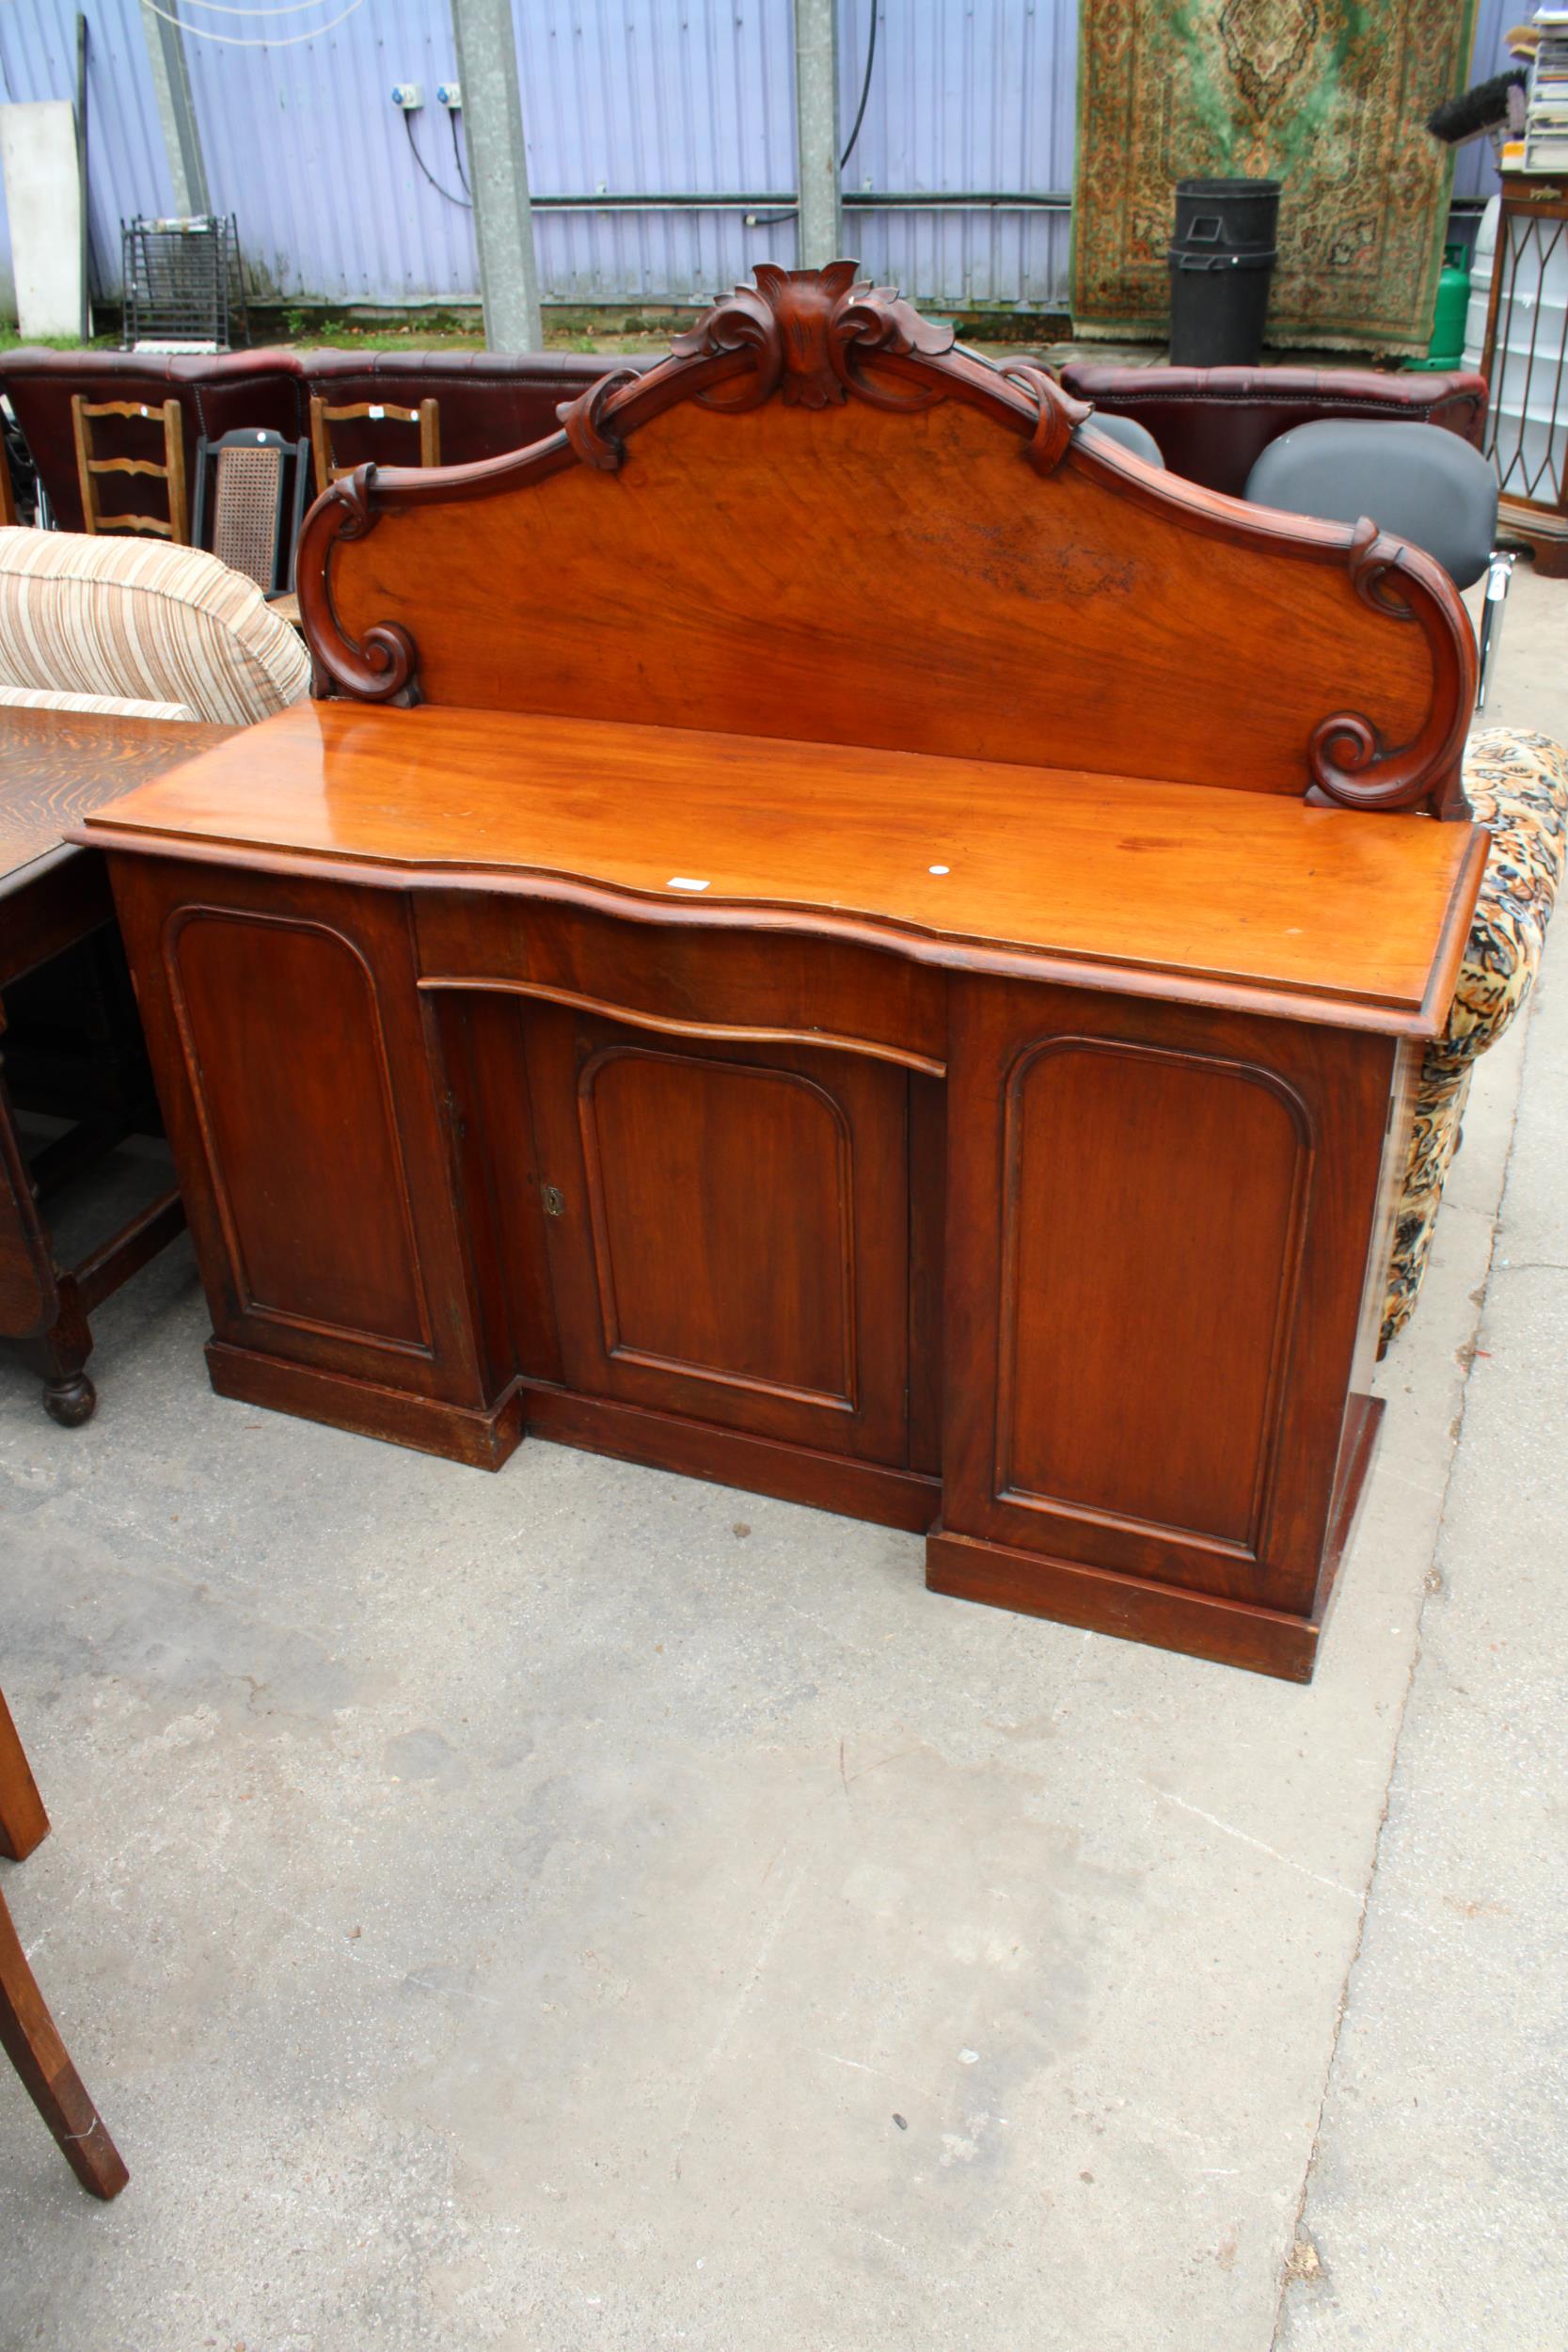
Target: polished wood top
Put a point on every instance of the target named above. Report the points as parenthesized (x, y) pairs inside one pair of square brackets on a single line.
[(1171, 888), (819, 518), (57, 765)]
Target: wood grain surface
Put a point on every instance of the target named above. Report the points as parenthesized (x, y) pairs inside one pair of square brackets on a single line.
[(57, 766), (1092, 869), (904, 581), (819, 517)]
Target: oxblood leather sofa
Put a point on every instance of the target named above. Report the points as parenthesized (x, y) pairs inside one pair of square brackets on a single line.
[(490, 402), (1214, 424), (1211, 423)]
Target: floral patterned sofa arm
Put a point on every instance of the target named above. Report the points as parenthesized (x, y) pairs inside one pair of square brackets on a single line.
[(1519, 789)]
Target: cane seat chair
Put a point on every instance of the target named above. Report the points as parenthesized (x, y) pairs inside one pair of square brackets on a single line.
[(249, 498)]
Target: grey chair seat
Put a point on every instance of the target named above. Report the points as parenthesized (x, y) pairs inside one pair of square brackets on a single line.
[(1412, 480), (1130, 433)]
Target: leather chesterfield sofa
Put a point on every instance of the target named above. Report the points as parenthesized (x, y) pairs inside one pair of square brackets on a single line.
[(489, 401), (1211, 423), (1214, 424)]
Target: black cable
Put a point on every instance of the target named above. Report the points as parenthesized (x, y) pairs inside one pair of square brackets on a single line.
[(457, 151), (865, 88), (464, 203), (770, 220)]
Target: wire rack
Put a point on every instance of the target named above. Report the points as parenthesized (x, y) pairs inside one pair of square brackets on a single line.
[(185, 284)]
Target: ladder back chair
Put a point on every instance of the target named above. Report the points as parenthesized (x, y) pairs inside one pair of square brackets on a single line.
[(324, 416), (93, 469), (27, 2032)]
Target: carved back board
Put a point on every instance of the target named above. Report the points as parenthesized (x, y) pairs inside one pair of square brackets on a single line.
[(818, 519)]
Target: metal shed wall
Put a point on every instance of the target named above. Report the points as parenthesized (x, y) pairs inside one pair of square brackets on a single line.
[(1474, 170), (128, 167), (968, 98), (656, 97)]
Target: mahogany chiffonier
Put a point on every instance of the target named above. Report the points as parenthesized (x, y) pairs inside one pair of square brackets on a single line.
[(830, 929)]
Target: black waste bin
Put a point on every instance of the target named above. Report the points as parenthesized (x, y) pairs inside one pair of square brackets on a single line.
[(1221, 265)]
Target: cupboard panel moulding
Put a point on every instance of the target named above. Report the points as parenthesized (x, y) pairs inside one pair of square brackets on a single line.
[(722, 1200), (1156, 1202), (726, 1228), (306, 1167)]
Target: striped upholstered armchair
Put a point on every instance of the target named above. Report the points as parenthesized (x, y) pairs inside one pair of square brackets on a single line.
[(1518, 787), (140, 628)]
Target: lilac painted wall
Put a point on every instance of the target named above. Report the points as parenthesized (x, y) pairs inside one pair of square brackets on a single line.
[(128, 169), (302, 142), (966, 96), (1475, 171)]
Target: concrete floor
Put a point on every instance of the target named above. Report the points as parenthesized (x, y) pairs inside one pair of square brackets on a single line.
[(582, 1907)]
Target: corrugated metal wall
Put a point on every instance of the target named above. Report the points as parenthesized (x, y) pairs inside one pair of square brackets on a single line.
[(1475, 171), (966, 97), (304, 146), (128, 166), (656, 97)]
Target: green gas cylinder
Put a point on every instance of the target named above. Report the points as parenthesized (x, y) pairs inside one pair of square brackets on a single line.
[(1447, 347)]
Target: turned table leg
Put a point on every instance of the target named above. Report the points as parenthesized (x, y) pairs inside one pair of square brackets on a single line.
[(59, 1354)]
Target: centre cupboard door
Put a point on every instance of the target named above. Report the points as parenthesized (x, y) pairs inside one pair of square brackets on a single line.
[(727, 1228)]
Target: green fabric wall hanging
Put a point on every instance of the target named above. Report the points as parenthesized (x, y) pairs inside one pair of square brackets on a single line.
[(1329, 96)]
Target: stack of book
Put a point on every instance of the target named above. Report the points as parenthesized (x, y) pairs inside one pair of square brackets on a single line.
[(1546, 144)]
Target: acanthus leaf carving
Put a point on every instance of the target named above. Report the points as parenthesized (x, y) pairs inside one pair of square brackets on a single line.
[(810, 329)]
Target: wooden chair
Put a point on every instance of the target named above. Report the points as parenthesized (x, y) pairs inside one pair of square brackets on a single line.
[(27, 2032), (427, 415), (249, 498), (90, 469)]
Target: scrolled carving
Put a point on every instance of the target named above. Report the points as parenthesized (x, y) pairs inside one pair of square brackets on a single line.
[(382, 666), (809, 330), (355, 495), (1373, 564), (1347, 755), (582, 422), (874, 319), (390, 657), (745, 321), (1059, 414)]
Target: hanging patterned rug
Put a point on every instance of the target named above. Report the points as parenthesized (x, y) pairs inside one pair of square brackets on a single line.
[(1329, 95)]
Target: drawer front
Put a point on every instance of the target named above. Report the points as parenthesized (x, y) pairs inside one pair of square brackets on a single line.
[(696, 979)]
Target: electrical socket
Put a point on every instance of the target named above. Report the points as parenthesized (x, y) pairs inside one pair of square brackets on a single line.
[(449, 94), (408, 95)]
